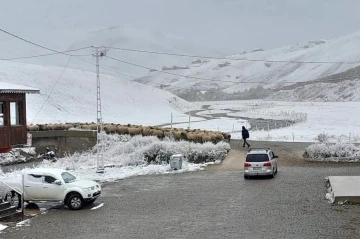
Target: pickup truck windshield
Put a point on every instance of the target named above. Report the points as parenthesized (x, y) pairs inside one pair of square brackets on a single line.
[(68, 177)]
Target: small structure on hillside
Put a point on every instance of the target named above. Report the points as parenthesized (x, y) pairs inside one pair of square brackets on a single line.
[(13, 130)]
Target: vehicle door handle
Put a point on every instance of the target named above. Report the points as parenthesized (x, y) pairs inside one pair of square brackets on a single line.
[(45, 187), (26, 186)]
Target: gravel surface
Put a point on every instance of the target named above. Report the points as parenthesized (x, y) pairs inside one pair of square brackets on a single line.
[(211, 204), (207, 204)]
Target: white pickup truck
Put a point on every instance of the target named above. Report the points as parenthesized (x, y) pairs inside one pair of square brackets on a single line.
[(46, 184)]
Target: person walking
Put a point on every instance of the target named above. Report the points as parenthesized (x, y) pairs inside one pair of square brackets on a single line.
[(245, 136)]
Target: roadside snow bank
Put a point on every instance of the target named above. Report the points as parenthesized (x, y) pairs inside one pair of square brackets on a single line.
[(125, 156), (2, 227), (338, 152), (17, 155)]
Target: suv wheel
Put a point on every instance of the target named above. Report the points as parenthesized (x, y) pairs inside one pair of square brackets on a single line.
[(273, 173)]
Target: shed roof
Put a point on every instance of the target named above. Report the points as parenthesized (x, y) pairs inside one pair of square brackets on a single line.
[(12, 88)]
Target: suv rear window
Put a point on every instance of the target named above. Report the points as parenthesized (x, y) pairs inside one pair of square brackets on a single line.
[(257, 158)]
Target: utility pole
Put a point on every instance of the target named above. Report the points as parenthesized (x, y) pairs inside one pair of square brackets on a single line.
[(171, 135), (189, 121), (99, 52)]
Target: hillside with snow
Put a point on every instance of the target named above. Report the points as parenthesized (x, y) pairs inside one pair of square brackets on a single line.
[(73, 98), (229, 76), (114, 36), (347, 90)]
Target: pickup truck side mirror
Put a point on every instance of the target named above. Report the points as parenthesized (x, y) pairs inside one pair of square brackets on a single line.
[(276, 156), (58, 182)]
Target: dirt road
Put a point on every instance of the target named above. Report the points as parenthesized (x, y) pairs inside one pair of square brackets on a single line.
[(290, 154), (234, 161)]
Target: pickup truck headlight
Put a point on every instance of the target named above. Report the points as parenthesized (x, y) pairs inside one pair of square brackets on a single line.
[(89, 189)]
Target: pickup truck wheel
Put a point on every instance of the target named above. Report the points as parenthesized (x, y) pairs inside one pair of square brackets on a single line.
[(14, 198), (75, 201)]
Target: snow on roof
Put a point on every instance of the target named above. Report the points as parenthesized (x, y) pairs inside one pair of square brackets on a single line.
[(54, 171), (176, 155), (12, 88), (258, 150)]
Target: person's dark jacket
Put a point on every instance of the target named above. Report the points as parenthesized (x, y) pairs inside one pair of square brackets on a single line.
[(245, 133)]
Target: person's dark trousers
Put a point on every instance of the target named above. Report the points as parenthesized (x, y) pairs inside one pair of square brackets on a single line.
[(246, 143)]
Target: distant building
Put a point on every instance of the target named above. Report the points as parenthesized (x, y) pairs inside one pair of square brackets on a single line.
[(13, 115)]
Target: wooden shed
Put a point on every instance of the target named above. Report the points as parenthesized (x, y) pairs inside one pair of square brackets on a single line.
[(13, 115)]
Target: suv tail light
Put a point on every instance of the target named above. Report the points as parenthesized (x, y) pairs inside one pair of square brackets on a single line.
[(267, 164), (247, 165)]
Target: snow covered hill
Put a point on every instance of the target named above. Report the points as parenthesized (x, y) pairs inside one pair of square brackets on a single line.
[(115, 36), (347, 90), (224, 75), (74, 97)]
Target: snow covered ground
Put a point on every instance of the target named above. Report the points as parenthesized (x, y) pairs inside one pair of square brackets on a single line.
[(338, 119), (74, 97)]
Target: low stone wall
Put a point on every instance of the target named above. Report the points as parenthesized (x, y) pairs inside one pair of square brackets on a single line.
[(65, 141)]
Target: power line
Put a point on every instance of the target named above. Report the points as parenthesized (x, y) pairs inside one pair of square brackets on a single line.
[(107, 68), (52, 88), (233, 59), (55, 52), (231, 81), (32, 43), (49, 54)]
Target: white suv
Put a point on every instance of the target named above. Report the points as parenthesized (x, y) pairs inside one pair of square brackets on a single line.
[(260, 162)]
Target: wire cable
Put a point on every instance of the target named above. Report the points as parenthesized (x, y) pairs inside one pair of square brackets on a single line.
[(55, 52), (233, 59), (107, 68), (49, 54), (32, 43), (231, 81), (57, 81)]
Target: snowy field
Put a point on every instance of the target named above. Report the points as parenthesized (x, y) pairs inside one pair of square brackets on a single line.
[(340, 120)]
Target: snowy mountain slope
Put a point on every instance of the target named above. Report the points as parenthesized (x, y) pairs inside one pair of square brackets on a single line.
[(115, 36), (74, 97), (347, 90), (342, 49)]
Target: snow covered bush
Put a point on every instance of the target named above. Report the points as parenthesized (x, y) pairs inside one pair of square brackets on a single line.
[(124, 150), (323, 150), (323, 138), (125, 156)]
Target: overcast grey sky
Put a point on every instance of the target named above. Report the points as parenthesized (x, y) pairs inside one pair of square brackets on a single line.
[(234, 25)]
